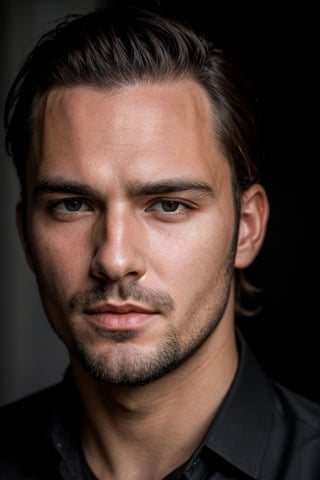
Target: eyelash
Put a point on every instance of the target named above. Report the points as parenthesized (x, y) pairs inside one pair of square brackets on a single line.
[(80, 201), (181, 206), (180, 211)]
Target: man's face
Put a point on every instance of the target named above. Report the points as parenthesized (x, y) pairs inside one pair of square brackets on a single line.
[(131, 226)]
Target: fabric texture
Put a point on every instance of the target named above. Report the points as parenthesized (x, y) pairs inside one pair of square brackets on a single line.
[(262, 431)]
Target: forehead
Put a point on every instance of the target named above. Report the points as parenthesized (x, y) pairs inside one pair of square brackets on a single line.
[(160, 126)]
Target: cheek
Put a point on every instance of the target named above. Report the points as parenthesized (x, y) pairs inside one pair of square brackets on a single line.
[(195, 258), (58, 276), (57, 260)]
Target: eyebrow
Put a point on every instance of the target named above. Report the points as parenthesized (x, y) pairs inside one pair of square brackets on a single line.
[(58, 185), (173, 185), (135, 189)]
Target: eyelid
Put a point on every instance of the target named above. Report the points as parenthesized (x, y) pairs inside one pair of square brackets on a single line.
[(181, 203), (84, 203)]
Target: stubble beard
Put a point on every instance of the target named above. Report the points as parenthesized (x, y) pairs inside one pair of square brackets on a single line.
[(123, 363)]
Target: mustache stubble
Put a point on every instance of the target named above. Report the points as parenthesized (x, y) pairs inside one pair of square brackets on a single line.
[(155, 299)]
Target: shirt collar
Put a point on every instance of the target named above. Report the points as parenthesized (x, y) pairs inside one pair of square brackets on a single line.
[(65, 433), (241, 428), (238, 433)]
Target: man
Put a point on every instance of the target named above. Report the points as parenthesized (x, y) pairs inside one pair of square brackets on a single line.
[(136, 148)]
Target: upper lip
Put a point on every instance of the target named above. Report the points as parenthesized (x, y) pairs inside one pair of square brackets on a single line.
[(118, 308)]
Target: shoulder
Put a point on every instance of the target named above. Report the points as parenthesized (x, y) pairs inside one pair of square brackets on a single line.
[(25, 426), (294, 408), (295, 435), (30, 410), (293, 444)]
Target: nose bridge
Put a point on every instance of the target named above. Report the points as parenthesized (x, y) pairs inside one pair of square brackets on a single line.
[(118, 241)]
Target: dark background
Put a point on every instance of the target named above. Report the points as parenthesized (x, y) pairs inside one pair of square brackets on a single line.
[(278, 49)]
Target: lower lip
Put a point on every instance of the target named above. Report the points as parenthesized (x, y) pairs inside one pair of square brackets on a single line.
[(120, 321)]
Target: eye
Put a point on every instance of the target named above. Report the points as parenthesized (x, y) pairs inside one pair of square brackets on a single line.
[(72, 205), (168, 206)]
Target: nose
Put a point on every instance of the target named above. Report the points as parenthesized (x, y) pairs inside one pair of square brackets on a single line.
[(119, 247)]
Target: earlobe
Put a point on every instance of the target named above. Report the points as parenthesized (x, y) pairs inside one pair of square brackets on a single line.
[(22, 231), (253, 224)]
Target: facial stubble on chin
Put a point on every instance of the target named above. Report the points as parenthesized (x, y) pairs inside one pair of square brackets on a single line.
[(120, 362)]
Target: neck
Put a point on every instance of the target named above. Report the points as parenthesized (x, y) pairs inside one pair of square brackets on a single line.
[(142, 432)]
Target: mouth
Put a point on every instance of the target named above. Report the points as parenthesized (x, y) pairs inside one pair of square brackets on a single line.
[(119, 316)]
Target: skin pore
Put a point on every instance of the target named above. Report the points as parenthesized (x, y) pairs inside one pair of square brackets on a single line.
[(130, 230)]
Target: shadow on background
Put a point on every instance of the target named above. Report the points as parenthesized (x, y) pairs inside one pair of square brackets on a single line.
[(281, 62)]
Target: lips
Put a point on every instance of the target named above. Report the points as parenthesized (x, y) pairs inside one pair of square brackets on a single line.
[(120, 316)]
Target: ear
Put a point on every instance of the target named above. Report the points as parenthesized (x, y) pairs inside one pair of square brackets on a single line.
[(22, 230), (253, 224)]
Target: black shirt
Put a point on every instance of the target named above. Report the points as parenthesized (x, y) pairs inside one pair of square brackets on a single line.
[(262, 431)]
